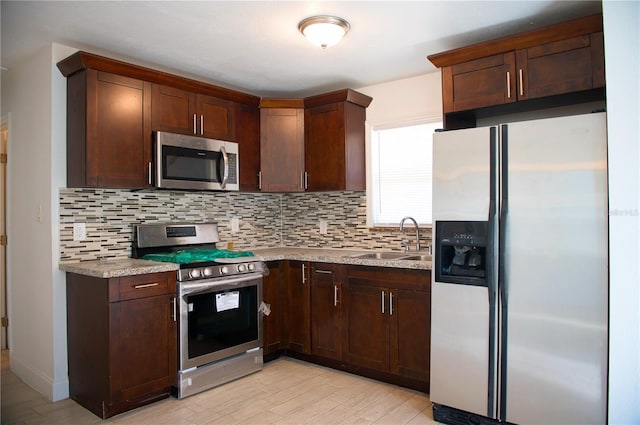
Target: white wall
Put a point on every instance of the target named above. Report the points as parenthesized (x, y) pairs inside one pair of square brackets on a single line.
[(405, 100), (622, 61), (37, 310)]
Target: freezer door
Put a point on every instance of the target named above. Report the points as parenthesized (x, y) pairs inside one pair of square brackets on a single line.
[(460, 347), (461, 179), (555, 271)]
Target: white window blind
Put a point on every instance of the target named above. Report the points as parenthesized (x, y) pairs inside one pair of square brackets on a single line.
[(400, 167)]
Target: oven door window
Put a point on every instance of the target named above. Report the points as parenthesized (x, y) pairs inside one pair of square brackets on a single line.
[(220, 320), (191, 164)]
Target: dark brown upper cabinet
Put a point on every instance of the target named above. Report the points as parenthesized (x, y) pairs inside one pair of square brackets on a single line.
[(108, 130), (282, 145), (180, 111), (560, 60), (113, 107), (334, 136)]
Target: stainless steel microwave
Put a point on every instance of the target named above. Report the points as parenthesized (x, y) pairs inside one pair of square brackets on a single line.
[(194, 163)]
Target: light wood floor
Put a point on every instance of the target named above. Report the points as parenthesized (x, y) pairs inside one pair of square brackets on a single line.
[(286, 391)]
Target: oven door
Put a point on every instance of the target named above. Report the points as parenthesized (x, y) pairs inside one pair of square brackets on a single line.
[(219, 318), (188, 162)]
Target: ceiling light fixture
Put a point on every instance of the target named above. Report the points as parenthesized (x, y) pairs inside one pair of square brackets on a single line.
[(324, 30)]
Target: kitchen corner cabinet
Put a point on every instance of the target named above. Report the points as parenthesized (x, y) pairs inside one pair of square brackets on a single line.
[(298, 299), (334, 133), (121, 338), (273, 292), (108, 130), (326, 310), (386, 325), (282, 145), (562, 59), (180, 111)]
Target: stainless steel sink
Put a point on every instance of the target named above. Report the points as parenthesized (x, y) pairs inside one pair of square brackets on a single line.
[(380, 255), (392, 256), (417, 257)]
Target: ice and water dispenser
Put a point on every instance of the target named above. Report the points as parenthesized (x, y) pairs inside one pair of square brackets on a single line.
[(461, 252)]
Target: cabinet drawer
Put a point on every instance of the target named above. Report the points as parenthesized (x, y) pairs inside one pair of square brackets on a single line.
[(140, 286)]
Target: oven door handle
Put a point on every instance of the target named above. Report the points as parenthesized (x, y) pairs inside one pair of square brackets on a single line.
[(207, 285)]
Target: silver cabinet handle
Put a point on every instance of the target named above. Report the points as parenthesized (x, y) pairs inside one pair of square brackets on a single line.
[(173, 302), (304, 279), (306, 180), (146, 285), (521, 86), (259, 180), (390, 303), (508, 85), (195, 130), (225, 160), (335, 295), (302, 180), (202, 125), (383, 302), (149, 174), (324, 271)]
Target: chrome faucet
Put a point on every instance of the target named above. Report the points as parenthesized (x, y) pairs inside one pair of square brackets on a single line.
[(415, 223)]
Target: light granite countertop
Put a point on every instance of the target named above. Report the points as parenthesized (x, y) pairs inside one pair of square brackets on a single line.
[(117, 267), (129, 266), (340, 256)]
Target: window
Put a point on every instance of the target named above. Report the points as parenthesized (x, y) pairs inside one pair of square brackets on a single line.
[(400, 173)]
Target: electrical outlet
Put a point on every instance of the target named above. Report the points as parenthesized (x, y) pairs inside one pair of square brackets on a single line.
[(235, 225), (79, 231), (323, 227)]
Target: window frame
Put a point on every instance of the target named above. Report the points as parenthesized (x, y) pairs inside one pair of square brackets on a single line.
[(370, 129)]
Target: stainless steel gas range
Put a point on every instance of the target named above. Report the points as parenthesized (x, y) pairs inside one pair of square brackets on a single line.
[(219, 294)]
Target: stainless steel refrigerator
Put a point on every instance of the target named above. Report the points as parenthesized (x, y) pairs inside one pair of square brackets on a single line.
[(520, 280)]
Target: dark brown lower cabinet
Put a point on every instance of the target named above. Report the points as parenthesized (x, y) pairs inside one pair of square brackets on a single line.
[(297, 324), (326, 309), (273, 292), (374, 321), (387, 320), (121, 336)]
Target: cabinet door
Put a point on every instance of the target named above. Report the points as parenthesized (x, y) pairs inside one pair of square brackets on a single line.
[(172, 110), (478, 83), (215, 118), (366, 326), (282, 149), (565, 66), (112, 148), (326, 306), (325, 156), (248, 138), (273, 287), (410, 332), (143, 354), (298, 294)]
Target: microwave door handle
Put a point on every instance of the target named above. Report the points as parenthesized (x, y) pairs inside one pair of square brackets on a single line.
[(225, 159)]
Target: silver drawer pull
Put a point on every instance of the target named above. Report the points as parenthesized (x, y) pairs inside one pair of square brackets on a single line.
[(324, 271), (146, 285)]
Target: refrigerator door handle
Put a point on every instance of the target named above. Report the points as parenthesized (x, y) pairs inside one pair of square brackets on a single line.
[(492, 278), (503, 285)]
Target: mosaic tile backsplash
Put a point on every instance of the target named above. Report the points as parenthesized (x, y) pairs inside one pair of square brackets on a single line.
[(267, 220)]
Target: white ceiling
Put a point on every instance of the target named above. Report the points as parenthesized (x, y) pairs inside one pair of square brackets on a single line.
[(255, 46)]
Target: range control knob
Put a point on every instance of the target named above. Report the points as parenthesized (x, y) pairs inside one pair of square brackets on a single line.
[(242, 268), (224, 269), (194, 274), (251, 266), (206, 272)]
